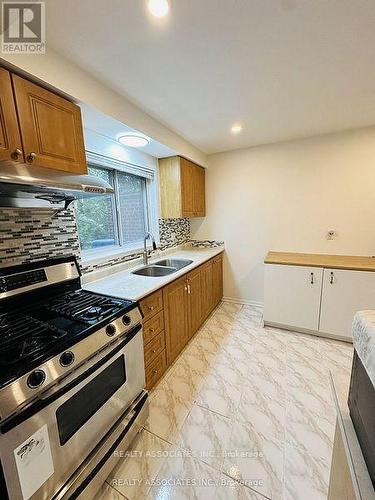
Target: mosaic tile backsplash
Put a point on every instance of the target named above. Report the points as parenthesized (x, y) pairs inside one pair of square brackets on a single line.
[(173, 232), (31, 235), (28, 236)]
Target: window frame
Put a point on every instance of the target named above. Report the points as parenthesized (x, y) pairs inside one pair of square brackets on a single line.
[(102, 254)]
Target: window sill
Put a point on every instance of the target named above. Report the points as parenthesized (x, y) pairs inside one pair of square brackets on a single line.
[(96, 256)]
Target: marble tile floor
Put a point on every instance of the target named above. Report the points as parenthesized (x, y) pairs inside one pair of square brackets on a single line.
[(245, 412)]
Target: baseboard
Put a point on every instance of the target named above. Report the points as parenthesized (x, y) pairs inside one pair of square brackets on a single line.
[(243, 301), (315, 333)]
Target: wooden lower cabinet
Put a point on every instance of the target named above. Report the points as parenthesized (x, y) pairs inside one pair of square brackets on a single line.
[(174, 314), (155, 370), (194, 298), (176, 317), (155, 354), (217, 279), (207, 289)]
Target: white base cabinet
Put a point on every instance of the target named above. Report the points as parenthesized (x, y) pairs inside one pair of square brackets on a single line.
[(344, 293), (292, 295), (315, 299)]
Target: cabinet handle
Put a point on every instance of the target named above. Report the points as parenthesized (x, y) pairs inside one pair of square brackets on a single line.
[(16, 155), (151, 308), (151, 330), (331, 279), (153, 351), (31, 157), (189, 289), (154, 372), (312, 278)]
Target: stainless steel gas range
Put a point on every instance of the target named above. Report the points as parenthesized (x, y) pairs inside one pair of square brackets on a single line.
[(71, 382)]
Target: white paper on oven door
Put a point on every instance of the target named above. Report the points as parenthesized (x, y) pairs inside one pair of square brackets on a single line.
[(34, 462)]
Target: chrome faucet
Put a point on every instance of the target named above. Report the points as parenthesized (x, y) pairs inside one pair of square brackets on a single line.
[(145, 251)]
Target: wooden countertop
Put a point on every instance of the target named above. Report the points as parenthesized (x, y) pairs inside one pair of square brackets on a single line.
[(356, 263)]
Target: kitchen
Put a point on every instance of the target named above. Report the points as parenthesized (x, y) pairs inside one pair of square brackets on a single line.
[(185, 269)]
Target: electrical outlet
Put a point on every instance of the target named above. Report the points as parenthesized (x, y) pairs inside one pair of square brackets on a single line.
[(331, 235)]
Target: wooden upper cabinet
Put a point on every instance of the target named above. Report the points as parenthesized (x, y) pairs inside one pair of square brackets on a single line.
[(10, 139), (199, 192), (182, 188), (51, 128), (187, 187)]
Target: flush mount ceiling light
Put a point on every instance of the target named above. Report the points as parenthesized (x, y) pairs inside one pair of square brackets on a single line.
[(158, 8), (133, 140), (237, 128)]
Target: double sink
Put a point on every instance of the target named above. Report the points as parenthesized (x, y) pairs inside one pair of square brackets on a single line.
[(163, 267)]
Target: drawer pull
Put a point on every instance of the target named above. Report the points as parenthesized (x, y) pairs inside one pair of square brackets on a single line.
[(31, 157), (16, 155), (151, 330), (153, 351), (151, 308), (155, 372)]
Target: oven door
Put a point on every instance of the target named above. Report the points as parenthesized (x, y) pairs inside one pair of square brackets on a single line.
[(44, 445)]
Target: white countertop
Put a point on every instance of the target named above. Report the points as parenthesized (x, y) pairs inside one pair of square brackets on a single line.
[(364, 340), (125, 285)]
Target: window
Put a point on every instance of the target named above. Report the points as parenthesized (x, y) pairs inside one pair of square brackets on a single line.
[(116, 220)]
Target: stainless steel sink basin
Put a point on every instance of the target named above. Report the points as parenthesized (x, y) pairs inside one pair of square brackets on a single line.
[(176, 263), (155, 271)]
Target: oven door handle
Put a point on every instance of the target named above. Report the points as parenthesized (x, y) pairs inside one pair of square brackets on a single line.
[(70, 381)]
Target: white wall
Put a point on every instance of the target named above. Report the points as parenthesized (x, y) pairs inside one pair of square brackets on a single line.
[(63, 75), (286, 197)]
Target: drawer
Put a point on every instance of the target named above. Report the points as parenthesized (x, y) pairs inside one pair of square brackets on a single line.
[(152, 304), (154, 348), (218, 258), (156, 369), (152, 327)]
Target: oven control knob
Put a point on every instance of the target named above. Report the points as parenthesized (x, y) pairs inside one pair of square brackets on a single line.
[(110, 330), (126, 320), (66, 358), (36, 379)]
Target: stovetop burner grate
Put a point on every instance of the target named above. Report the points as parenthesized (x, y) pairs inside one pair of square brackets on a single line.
[(23, 336), (83, 306), (38, 329)]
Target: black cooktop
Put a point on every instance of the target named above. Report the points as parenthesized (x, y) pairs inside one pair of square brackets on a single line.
[(34, 333)]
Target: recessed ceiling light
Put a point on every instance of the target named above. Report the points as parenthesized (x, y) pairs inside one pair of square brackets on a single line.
[(158, 8), (133, 140), (236, 129)]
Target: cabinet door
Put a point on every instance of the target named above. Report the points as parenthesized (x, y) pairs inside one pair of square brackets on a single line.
[(199, 203), (51, 128), (195, 301), (344, 293), (176, 317), (187, 187), (207, 289), (217, 280), (10, 139), (292, 295)]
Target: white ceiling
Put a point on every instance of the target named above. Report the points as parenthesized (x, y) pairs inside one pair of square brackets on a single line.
[(113, 129), (283, 68)]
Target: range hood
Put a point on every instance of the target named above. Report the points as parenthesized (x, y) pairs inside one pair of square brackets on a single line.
[(24, 186)]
